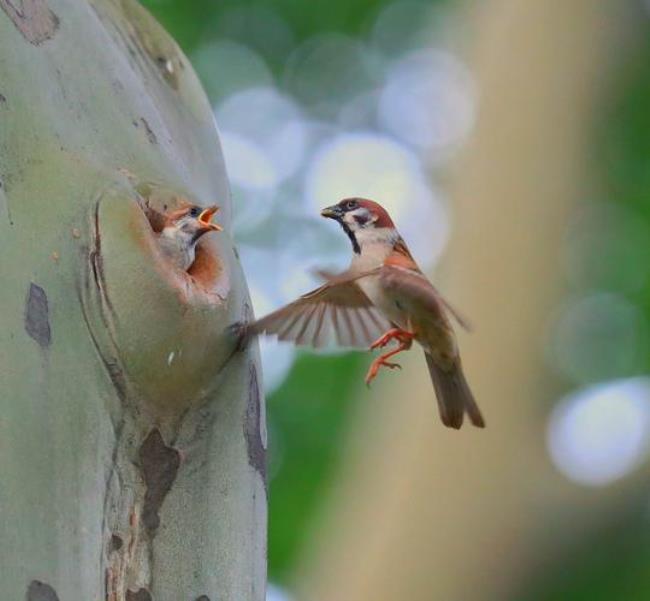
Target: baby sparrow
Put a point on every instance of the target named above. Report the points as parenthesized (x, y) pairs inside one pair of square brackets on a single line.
[(181, 231)]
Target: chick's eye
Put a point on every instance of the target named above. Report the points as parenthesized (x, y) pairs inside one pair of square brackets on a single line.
[(195, 212), (350, 205)]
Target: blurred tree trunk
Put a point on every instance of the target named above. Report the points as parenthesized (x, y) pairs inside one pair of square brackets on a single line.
[(425, 513), (132, 452)]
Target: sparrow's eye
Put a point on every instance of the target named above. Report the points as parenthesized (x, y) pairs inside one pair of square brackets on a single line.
[(194, 212), (350, 205)]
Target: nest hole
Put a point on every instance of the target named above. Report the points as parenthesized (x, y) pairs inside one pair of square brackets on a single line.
[(206, 267)]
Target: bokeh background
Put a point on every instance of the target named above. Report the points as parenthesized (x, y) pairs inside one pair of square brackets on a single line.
[(511, 143)]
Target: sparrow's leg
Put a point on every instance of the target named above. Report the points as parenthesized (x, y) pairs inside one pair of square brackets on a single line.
[(394, 333), (381, 360)]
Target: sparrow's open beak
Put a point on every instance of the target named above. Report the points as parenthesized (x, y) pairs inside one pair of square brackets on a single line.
[(206, 215), (333, 212)]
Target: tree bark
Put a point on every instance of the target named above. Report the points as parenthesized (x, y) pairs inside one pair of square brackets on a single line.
[(132, 441)]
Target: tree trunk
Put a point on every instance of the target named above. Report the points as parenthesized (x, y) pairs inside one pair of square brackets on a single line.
[(132, 448)]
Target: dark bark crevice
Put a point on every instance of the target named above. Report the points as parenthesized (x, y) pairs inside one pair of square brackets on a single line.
[(40, 591), (159, 465), (252, 426), (37, 319)]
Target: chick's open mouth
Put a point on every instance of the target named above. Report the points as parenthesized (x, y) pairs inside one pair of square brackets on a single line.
[(206, 216)]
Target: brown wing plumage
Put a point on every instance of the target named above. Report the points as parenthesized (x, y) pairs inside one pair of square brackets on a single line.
[(337, 312), (403, 278), (417, 295), (400, 265)]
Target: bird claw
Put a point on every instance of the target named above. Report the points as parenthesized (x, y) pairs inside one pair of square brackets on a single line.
[(373, 370), (390, 365), (401, 336), (405, 340)]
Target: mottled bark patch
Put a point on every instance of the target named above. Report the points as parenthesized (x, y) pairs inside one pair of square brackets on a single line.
[(252, 426), (39, 591), (169, 69), (32, 18), (140, 595), (159, 464), (37, 319)]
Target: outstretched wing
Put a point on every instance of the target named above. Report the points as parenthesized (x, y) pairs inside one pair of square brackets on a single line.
[(337, 312)]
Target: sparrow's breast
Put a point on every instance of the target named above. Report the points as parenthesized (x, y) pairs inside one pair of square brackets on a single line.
[(389, 307), (432, 330), (180, 254)]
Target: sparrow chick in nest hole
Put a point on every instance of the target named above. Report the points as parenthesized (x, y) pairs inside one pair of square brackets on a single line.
[(182, 229)]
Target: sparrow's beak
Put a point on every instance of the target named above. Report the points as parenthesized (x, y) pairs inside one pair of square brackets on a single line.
[(206, 215), (333, 212)]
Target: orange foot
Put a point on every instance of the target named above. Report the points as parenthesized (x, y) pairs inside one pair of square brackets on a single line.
[(398, 334), (405, 341), (379, 362)]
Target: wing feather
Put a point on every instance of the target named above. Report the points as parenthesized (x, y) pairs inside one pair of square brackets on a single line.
[(338, 310), (363, 326), (418, 293)]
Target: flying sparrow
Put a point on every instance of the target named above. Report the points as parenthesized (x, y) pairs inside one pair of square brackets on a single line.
[(382, 296), (182, 229)]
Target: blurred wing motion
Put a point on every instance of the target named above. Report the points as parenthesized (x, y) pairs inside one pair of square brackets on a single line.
[(336, 312)]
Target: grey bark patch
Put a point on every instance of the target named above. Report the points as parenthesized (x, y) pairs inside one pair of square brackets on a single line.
[(159, 464), (37, 319), (39, 591), (140, 595), (33, 18), (252, 426)]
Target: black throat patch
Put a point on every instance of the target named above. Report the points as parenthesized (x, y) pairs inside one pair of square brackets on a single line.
[(355, 245)]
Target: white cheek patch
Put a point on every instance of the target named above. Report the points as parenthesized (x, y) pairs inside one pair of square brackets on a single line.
[(360, 218), (377, 235)]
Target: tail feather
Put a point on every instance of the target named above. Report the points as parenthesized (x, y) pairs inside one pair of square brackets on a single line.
[(454, 396)]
